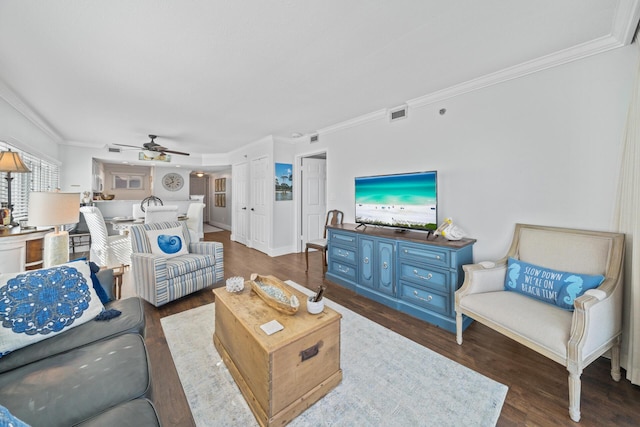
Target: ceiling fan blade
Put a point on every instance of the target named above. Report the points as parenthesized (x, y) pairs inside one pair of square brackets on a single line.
[(176, 152), (126, 145)]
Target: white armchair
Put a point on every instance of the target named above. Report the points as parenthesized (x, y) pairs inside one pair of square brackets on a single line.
[(106, 251), (160, 214), (572, 338), (194, 221)]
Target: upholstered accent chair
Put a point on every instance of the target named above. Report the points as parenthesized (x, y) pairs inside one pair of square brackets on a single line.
[(160, 279), (106, 251), (334, 217), (573, 338)]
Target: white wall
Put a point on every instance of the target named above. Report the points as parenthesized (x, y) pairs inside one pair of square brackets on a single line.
[(541, 149)]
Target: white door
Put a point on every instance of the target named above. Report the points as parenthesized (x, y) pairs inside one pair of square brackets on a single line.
[(262, 182), (314, 196), (240, 220)]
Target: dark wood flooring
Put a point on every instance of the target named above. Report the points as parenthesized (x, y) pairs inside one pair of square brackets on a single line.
[(538, 390)]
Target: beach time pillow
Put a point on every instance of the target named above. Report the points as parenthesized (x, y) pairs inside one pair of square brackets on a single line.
[(169, 242), (39, 304), (555, 287)]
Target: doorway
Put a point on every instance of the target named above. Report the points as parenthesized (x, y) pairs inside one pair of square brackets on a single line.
[(312, 206)]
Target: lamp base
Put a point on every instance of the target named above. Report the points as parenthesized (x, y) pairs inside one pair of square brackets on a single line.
[(56, 248)]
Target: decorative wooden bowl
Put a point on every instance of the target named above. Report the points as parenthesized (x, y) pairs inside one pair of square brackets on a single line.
[(275, 293)]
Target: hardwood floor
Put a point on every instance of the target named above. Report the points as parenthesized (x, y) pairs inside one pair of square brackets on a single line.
[(538, 390)]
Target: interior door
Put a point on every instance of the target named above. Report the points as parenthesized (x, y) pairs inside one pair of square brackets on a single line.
[(240, 222), (262, 184), (314, 196)]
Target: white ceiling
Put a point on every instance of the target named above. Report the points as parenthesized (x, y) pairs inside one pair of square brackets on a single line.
[(209, 76)]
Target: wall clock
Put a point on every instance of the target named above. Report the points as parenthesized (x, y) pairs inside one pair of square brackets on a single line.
[(172, 181)]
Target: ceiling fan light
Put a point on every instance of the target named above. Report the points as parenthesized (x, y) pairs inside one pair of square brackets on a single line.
[(151, 154)]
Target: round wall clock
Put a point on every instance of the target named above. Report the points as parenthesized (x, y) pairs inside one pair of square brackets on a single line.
[(172, 181)]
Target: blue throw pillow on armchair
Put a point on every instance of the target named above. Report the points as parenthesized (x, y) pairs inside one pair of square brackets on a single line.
[(555, 287)]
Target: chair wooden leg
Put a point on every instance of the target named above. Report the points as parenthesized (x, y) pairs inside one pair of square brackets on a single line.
[(574, 395), (324, 262), (615, 361), (306, 257), (459, 328)]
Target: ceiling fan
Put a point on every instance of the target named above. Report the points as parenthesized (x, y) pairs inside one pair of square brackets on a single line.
[(153, 147)]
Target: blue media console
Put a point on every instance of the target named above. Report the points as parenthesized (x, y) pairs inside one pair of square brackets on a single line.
[(405, 271)]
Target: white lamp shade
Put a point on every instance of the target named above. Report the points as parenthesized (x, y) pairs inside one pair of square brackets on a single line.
[(50, 208)]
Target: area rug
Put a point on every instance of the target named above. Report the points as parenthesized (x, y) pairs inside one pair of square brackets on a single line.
[(388, 380)]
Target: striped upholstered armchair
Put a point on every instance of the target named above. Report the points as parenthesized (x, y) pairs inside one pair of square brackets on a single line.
[(166, 265)]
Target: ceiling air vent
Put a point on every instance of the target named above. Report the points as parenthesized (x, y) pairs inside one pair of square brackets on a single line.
[(314, 138), (114, 150), (398, 113)]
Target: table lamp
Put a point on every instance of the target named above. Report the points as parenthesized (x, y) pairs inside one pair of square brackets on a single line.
[(10, 161), (54, 209)]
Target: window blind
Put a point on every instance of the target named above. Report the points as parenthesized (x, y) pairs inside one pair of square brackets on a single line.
[(44, 176)]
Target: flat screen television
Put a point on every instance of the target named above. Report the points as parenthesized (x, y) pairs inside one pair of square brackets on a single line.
[(404, 200)]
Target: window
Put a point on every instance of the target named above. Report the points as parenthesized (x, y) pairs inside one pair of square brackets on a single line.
[(127, 182), (44, 176)]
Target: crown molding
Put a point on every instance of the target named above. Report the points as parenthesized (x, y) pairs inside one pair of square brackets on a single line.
[(625, 22), (575, 53), (12, 98), (376, 115)]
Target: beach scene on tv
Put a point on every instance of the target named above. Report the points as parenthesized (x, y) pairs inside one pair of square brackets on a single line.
[(404, 200)]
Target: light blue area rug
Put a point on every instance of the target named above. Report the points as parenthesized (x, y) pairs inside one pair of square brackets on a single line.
[(388, 380)]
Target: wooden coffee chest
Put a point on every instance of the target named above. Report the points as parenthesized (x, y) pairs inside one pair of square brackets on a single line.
[(282, 374)]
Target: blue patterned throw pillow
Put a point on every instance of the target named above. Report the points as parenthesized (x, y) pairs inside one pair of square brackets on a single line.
[(169, 242), (7, 419), (39, 304), (551, 286)]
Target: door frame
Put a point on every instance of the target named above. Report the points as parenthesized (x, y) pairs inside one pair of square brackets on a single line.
[(297, 191)]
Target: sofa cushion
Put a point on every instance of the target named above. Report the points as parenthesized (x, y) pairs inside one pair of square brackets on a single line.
[(169, 242), (560, 288), (38, 304), (72, 387), (187, 263), (130, 321), (136, 413)]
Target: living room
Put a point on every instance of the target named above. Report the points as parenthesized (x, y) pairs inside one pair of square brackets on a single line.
[(535, 140)]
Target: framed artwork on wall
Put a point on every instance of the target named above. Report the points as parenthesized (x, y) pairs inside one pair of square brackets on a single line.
[(220, 185), (284, 181), (220, 200)]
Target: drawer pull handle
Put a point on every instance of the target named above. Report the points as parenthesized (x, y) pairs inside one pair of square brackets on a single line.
[(427, 277), (342, 254), (343, 270), (366, 260), (385, 265), (310, 352), (437, 256), (427, 299)]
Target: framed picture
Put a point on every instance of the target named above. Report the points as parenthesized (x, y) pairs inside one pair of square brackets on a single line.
[(220, 200), (220, 185), (284, 181)]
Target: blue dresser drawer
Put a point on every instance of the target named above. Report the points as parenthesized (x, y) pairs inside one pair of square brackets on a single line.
[(422, 297), (422, 253), (345, 271), (342, 254), (344, 239), (421, 274)]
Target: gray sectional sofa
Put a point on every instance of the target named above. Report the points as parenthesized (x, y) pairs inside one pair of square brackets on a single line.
[(95, 374)]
